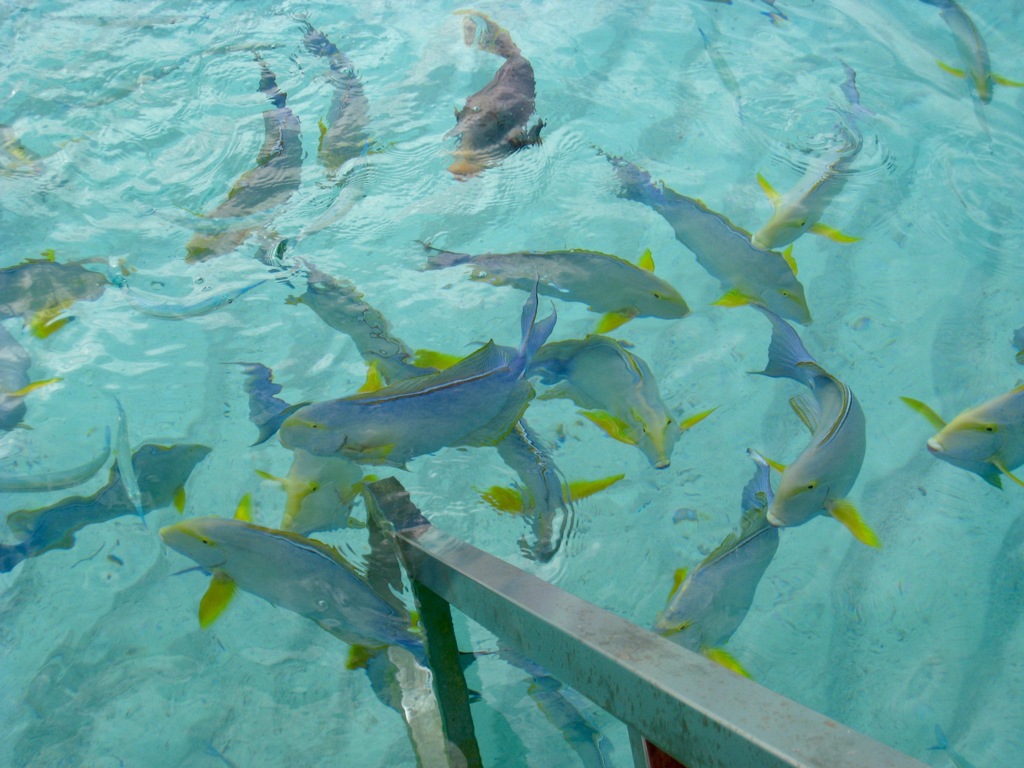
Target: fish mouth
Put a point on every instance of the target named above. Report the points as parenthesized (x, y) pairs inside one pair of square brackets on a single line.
[(934, 446)]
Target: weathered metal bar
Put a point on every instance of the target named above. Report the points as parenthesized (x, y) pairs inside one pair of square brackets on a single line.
[(698, 712)]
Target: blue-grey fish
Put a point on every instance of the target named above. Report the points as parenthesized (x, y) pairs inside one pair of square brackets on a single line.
[(14, 381), (607, 284), (56, 480), (708, 604), (195, 305), (475, 402), (749, 274), (40, 290), (343, 133), (819, 479), (971, 48), (125, 466), (162, 472), (293, 572), (492, 124), (617, 390), (341, 306), (987, 439), (942, 744), (271, 183)]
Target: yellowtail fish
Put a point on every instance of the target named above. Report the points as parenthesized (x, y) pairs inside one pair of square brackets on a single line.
[(987, 439), (292, 572), (341, 306), (271, 183), (162, 472), (749, 274), (199, 303), (607, 284), (14, 381), (15, 157), (801, 209), (492, 124), (320, 491), (820, 477), (343, 132), (708, 604), (971, 48), (40, 290), (617, 390), (475, 402), (59, 479)]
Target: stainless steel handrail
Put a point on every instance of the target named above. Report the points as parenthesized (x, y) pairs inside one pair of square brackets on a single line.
[(700, 713)]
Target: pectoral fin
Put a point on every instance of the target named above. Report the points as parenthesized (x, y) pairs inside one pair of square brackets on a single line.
[(614, 426), (646, 261), (613, 320), (33, 386), (847, 514), (687, 424), (179, 499), (806, 407), (998, 464), (780, 468), (832, 233), (218, 595), (733, 298), (950, 69), (725, 659), (769, 190), (503, 499), (787, 255), (678, 577), (1006, 81), (44, 322), (931, 416), (581, 489), (243, 511)]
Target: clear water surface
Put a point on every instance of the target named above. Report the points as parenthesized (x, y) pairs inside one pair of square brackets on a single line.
[(143, 114)]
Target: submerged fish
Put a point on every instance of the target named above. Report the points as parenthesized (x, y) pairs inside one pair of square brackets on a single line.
[(341, 306), (607, 284), (987, 439), (197, 304), (14, 381), (15, 157), (320, 491), (971, 48), (276, 176), (59, 479), (820, 477), (708, 604), (293, 572), (38, 290), (343, 132), (801, 209), (475, 402), (749, 274), (492, 124), (162, 472), (616, 388), (942, 745)]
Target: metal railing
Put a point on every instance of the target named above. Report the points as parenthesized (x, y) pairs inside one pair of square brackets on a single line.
[(699, 714)]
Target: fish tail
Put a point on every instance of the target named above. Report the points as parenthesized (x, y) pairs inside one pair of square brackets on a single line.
[(440, 259), (487, 34), (636, 183), (758, 493), (535, 332), (941, 742), (10, 556), (786, 352), (268, 83)]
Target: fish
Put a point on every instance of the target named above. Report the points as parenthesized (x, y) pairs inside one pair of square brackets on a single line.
[(724, 71), (475, 402), (493, 122), (123, 459), (271, 183), (15, 157), (749, 274), (801, 209), (542, 496), (59, 479), (942, 744), (607, 284), (320, 491), (1018, 343), (343, 134), (14, 381), (617, 390), (39, 290), (707, 604), (341, 306), (987, 439), (197, 304), (293, 572), (971, 48), (819, 479), (162, 472)]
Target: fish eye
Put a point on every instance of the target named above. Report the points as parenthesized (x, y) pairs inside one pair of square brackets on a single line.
[(785, 293), (205, 541)]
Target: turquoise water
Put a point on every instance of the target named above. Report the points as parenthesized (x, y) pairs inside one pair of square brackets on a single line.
[(143, 115)]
